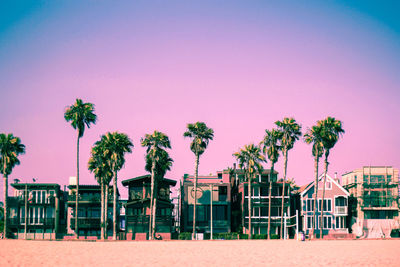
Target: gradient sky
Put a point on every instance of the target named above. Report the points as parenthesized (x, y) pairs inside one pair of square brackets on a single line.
[(236, 65)]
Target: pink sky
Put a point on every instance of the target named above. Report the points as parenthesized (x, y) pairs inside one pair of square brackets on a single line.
[(159, 66)]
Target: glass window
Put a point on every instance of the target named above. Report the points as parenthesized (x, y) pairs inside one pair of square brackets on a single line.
[(222, 193)]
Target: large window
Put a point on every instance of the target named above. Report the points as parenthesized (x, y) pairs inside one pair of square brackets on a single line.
[(327, 222), (327, 204), (309, 222), (310, 205), (340, 222), (222, 193)]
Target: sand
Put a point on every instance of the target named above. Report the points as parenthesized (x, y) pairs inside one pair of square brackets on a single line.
[(201, 253)]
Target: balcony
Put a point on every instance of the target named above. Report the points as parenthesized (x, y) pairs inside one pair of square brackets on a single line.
[(340, 210), (48, 222), (88, 222), (88, 199)]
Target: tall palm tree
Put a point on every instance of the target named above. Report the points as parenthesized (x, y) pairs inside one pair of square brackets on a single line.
[(201, 136), (331, 132), (163, 164), (154, 143), (271, 146), (313, 136), (80, 114), (291, 131), (116, 145), (10, 149), (250, 159), (103, 173)]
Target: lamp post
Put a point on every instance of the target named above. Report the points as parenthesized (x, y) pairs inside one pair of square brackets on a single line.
[(211, 212)]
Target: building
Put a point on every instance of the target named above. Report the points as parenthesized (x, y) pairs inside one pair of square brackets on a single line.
[(38, 210), (335, 207), (212, 191), (138, 208), (89, 211), (374, 201), (259, 202)]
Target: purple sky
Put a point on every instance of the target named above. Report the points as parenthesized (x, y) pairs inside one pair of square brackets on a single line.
[(237, 66)]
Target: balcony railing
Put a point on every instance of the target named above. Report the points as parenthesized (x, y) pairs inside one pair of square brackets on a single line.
[(31, 221), (72, 198), (341, 210), (88, 222)]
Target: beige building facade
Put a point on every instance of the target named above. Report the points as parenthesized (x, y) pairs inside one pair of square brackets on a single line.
[(375, 199)]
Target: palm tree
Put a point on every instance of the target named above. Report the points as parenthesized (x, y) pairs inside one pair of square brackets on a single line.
[(291, 131), (270, 145), (313, 136), (250, 160), (10, 149), (99, 165), (331, 132), (201, 136), (163, 164), (154, 143), (80, 114), (116, 145)]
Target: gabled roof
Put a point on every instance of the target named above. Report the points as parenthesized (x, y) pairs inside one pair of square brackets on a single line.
[(328, 178), (146, 177)]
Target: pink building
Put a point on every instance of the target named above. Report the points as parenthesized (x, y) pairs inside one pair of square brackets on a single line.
[(335, 207)]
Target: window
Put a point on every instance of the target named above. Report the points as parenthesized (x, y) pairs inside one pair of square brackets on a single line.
[(327, 222), (340, 222), (222, 193), (309, 222), (366, 178), (310, 205), (327, 204), (256, 191), (256, 211)]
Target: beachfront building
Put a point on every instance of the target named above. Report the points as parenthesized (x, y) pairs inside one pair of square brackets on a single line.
[(138, 208), (374, 192), (89, 211), (259, 202), (213, 205), (335, 207), (38, 210)]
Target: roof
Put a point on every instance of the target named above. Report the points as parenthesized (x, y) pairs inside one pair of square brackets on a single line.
[(30, 185), (145, 177), (310, 185)]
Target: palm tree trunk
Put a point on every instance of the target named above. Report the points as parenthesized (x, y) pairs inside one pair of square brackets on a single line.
[(5, 202), (106, 213), (250, 209), (102, 210), (269, 200), (77, 189), (115, 207), (153, 226), (196, 173), (323, 194), (153, 169), (316, 163), (285, 155)]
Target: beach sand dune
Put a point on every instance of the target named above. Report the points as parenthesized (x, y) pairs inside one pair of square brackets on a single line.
[(201, 253)]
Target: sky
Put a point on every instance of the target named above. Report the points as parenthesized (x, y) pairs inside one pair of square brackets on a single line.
[(238, 66)]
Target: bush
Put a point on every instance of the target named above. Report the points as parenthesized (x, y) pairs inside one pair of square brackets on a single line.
[(274, 236), (185, 236), (259, 236), (395, 233)]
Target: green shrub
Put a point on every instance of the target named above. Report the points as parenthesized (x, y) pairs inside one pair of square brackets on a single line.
[(274, 236), (185, 236), (395, 233)]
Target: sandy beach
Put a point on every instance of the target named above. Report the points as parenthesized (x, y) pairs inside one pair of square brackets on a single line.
[(201, 253)]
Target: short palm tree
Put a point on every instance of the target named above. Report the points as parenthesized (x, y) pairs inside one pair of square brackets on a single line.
[(313, 136), (331, 132), (80, 115), (291, 131), (250, 160), (103, 173), (10, 149), (271, 146), (115, 146), (163, 164), (154, 143), (201, 136)]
